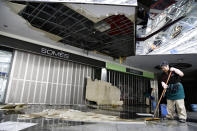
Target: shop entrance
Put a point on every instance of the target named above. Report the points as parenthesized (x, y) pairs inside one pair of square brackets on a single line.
[(5, 63)]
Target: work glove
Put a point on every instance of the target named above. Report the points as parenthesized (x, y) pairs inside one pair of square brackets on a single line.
[(172, 69), (164, 85), (177, 71)]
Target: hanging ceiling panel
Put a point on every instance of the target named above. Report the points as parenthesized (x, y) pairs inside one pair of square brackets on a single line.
[(111, 2), (113, 35)]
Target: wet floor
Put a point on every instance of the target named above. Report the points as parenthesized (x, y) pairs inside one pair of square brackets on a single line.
[(44, 124)]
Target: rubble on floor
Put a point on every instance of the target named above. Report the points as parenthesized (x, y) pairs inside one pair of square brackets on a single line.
[(74, 115), (13, 107)]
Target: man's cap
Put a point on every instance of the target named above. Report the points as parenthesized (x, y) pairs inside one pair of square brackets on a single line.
[(164, 63)]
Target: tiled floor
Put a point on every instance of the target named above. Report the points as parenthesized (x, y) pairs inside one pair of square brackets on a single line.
[(128, 112)]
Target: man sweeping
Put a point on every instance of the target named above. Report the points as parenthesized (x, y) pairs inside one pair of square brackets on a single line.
[(175, 93)]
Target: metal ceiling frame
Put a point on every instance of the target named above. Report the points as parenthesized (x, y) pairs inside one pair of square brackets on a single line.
[(81, 29)]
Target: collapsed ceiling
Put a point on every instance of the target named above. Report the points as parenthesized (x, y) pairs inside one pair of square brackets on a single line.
[(112, 35)]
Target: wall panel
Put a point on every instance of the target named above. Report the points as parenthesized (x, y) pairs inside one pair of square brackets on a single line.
[(132, 87), (39, 79)]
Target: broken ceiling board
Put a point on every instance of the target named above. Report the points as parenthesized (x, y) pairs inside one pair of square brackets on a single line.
[(16, 7), (103, 93), (48, 113), (114, 36), (97, 13), (47, 34), (15, 126), (13, 107), (110, 2), (75, 115)]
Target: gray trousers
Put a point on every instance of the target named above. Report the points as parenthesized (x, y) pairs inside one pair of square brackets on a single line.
[(180, 106)]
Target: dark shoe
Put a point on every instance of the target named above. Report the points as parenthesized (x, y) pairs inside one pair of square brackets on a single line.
[(182, 120)]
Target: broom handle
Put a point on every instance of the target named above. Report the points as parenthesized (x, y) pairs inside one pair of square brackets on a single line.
[(164, 91)]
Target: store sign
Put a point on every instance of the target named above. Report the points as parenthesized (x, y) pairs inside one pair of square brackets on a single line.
[(47, 51), (134, 71), (55, 53)]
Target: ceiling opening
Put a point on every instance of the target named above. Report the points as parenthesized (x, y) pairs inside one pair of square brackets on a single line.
[(113, 35)]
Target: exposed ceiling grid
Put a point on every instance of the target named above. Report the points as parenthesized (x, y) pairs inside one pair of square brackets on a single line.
[(77, 30)]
